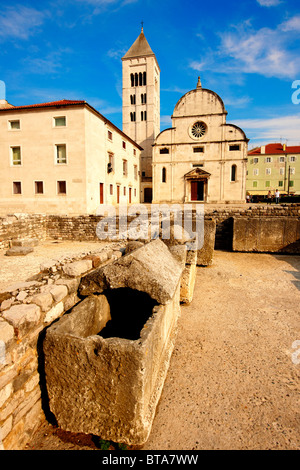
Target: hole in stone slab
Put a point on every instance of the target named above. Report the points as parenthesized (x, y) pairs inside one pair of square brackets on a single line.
[(129, 309)]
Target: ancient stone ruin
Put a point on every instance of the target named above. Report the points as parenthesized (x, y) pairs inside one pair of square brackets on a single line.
[(106, 361)]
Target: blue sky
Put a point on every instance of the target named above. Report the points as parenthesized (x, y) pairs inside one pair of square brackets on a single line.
[(248, 52)]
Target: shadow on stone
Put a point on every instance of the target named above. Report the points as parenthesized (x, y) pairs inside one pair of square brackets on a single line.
[(129, 310)]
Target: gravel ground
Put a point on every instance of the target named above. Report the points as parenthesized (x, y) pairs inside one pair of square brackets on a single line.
[(233, 381)]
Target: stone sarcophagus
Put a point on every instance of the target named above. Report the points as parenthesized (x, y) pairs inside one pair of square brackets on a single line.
[(106, 360)]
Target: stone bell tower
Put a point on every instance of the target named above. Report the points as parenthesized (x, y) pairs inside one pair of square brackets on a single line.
[(141, 105)]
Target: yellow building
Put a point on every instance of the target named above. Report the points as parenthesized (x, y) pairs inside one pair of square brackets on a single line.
[(64, 157), (271, 167)]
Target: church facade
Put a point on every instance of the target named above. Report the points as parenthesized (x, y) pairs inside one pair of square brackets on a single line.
[(200, 158)]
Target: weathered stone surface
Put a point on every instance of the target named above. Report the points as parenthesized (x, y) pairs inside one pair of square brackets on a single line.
[(187, 284), (266, 234), (19, 251), (23, 316), (6, 332), (6, 304), (58, 292), (133, 245), (108, 387), (29, 242), (54, 313), (205, 253), (71, 284), (43, 300), (77, 268), (151, 269)]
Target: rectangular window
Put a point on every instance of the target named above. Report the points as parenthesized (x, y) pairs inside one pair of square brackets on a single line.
[(123, 144), (255, 160), (17, 188), (110, 162), (124, 167), (198, 149), (14, 124), (60, 121), (111, 189), (280, 183), (255, 171), (254, 184), (134, 152), (135, 172), (268, 184), (292, 171), (281, 159), (268, 171), (292, 159), (291, 184), (281, 171), (109, 135), (233, 148), (124, 190), (39, 187), (61, 154), (16, 156), (268, 160), (61, 187)]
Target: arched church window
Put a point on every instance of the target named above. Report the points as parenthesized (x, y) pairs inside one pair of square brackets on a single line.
[(164, 175), (233, 173), (144, 78), (132, 99), (132, 79), (136, 79), (140, 79)]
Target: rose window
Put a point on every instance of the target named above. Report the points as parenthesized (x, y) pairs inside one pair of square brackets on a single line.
[(198, 129)]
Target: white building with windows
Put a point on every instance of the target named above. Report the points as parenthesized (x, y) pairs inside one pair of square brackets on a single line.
[(64, 157), (200, 158)]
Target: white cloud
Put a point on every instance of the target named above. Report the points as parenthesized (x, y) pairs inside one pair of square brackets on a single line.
[(268, 52), (269, 3), (293, 24), (19, 22), (283, 128)]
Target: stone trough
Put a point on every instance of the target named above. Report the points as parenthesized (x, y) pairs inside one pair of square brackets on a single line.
[(106, 361)]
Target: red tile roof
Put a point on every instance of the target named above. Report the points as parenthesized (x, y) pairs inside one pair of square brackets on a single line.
[(50, 104), (274, 149)]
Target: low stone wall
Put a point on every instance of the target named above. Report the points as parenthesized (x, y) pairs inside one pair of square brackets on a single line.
[(27, 309), (266, 234)]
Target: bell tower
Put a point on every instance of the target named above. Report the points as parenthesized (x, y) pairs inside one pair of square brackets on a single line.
[(141, 104)]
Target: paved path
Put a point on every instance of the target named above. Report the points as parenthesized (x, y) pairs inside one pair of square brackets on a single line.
[(233, 381)]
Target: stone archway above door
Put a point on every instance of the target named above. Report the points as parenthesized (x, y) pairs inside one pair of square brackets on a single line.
[(196, 183)]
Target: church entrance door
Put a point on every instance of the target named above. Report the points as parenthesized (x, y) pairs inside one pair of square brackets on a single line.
[(197, 190)]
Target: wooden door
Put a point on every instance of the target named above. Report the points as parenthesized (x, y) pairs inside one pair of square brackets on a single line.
[(101, 193), (194, 190)]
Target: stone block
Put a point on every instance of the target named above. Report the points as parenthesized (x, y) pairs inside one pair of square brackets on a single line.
[(29, 242), (266, 234), (77, 268), (187, 284), (22, 317), (151, 269), (19, 251), (54, 313), (44, 300), (108, 386), (58, 292), (206, 252)]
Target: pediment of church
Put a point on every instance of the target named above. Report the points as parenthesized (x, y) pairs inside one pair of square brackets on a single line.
[(197, 173)]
